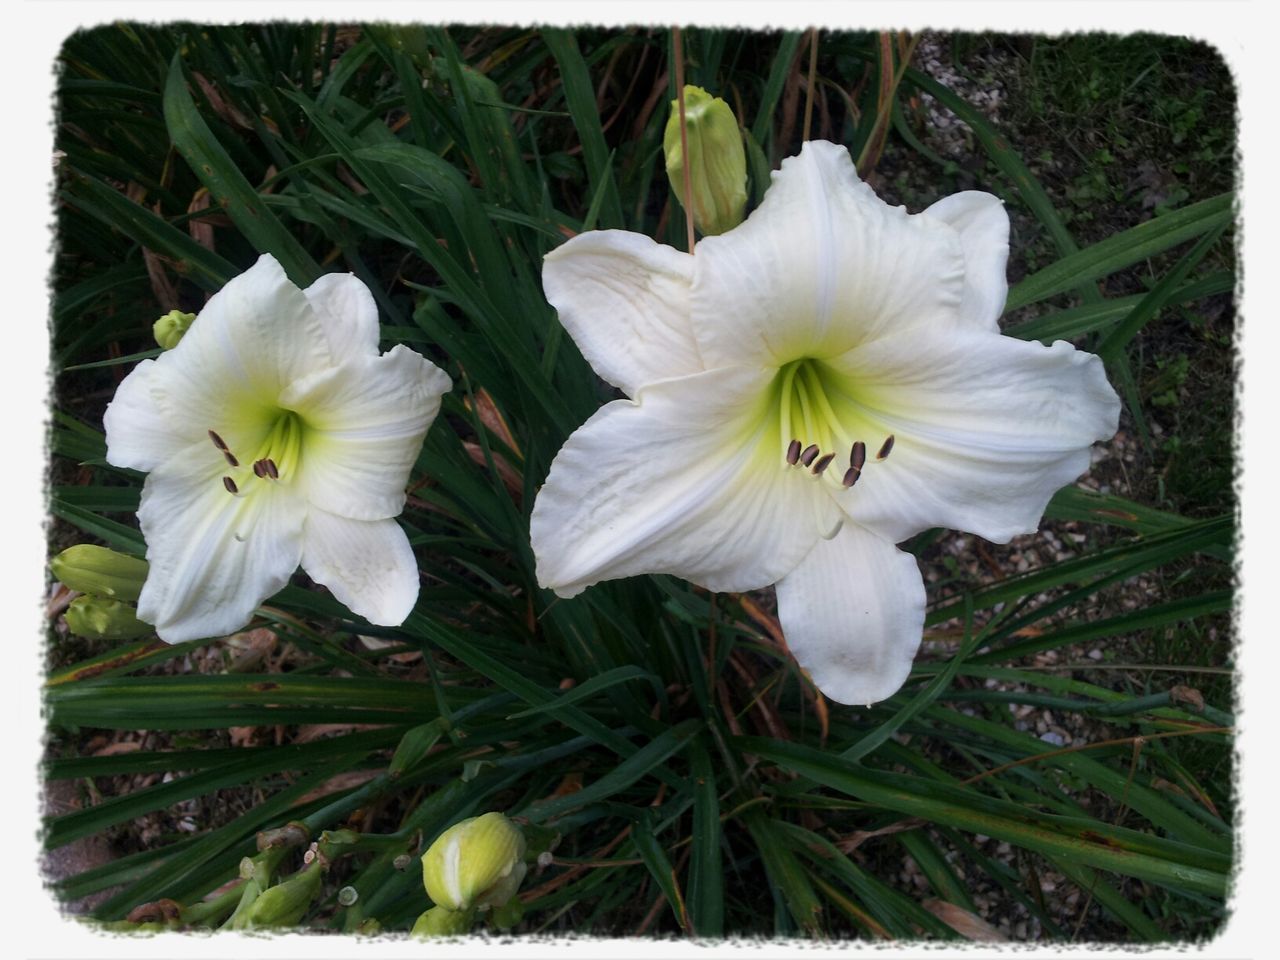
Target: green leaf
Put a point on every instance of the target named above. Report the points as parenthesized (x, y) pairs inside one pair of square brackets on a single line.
[(591, 687), (706, 868), (965, 809), (141, 225), (580, 98), (218, 172), (639, 764), (1124, 249)]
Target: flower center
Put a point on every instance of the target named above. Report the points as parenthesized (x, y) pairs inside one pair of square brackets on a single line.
[(819, 420), (277, 458)]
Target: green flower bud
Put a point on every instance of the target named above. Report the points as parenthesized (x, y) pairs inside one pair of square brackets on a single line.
[(502, 891), (285, 904), (99, 571), (717, 161), (98, 618), (170, 328), (439, 922), (472, 858), (509, 914)]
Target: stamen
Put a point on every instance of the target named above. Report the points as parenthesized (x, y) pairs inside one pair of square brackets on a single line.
[(230, 485), (810, 452), (272, 470), (231, 458), (851, 476), (218, 441), (823, 464), (885, 447), (858, 455), (260, 469), (793, 452)]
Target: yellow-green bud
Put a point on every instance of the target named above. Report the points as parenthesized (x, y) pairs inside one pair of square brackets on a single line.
[(440, 922), (98, 618), (285, 904), (717, 161), (471, 860), (170, 328), (99, 571), (509, 914)]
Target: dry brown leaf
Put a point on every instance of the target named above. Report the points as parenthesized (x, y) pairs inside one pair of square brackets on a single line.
[(341, 781), (115, 749), (1187, 696), (200, 228), (510, 476), (968, 925), (318, 731), (220, 106), (493, 419)]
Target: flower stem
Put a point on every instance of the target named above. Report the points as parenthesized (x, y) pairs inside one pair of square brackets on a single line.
[(808, 90), (677, 54)]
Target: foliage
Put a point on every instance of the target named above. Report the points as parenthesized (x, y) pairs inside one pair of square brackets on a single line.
[(656, 740)]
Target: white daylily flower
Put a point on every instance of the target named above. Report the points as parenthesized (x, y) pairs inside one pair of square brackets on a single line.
[(812, 387), (274, 434)]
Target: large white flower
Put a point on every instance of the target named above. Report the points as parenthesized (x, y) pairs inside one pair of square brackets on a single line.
[(274, 434), (810, 388)]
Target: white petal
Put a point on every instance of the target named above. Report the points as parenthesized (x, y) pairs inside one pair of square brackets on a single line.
[(139, 435), (625, 301), (853, 615), (214, 557), (689, 480), (364, 421), (347, 312), (986, 429), (253, 338), (820, 266), (367, 564), (983, 225)]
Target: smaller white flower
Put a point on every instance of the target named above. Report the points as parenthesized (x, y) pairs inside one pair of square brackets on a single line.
[(274, 434)]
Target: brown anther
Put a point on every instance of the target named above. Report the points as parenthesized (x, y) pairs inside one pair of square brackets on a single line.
[(851, 476), (793, 452), (823, 464), (810, 452), (885, 447), (260, 469), (858, 455), (218, 441), (231, 458), (272, 470), (229, 484)]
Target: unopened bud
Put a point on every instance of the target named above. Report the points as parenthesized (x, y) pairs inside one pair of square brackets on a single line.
[(102, 572), (717, 161), (98, 618), (509, 914), (442, 922), (472, 862), (285, 904), (171, 328)]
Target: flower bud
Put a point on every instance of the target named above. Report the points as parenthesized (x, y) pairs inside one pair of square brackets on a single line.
[(717, 161), (99, 571), (170, 328), (440, 922), (285, 904), (98, 618), (471, 860), (509, 914)]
